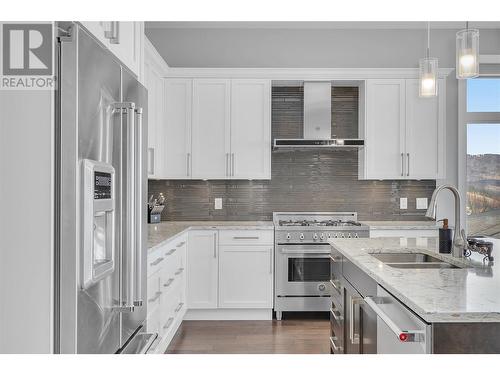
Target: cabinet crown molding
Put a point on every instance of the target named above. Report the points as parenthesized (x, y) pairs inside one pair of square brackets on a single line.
[(301, 73)]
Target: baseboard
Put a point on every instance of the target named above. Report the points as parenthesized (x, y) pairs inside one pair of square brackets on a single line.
[(229, 314)]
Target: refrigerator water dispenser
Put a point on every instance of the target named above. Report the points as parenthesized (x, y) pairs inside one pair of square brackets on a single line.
[(98, 193)]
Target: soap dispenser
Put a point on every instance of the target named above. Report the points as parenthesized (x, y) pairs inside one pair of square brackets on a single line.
[(445, 238)]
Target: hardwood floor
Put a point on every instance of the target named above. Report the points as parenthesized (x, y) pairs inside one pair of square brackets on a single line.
[(290, 336)]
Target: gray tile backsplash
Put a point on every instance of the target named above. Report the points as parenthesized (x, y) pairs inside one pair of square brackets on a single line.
[(315, 180)]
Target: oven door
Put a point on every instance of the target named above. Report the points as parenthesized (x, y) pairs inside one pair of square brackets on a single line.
[(303, 270)]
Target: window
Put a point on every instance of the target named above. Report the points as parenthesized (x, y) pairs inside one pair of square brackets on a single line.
[(483, 95), (482, 169), (483, 179)]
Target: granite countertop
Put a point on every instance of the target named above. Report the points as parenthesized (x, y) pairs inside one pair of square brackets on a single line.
[(402, 225), (436, 295), (168, 230)]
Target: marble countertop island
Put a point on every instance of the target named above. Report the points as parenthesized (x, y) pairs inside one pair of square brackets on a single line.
[(469, 294), (168, 230)]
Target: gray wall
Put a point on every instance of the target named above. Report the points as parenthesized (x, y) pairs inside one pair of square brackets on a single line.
[(301, 180), (325, 48)]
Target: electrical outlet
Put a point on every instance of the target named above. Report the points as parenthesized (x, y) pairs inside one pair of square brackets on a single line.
[(218, 203), (403, 203), (422, 204)]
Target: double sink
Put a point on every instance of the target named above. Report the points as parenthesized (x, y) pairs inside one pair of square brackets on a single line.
[(412, 261)]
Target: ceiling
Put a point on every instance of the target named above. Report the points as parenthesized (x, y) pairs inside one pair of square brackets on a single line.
[(320, 25), (310, 44)]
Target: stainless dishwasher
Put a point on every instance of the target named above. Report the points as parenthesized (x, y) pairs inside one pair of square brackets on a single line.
[(399, 330)]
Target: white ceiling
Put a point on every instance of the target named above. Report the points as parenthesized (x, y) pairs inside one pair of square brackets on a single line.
[(321, 25), (311, 44)]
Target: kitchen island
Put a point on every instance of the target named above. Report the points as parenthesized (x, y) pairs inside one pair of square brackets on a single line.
[(460, 302)]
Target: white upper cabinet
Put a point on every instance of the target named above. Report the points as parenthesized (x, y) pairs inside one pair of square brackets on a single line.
[(124, 38), (404, 134), (384, 132), (425, 145), (211, 129), (155, 69), (178, 99), (250, 129)]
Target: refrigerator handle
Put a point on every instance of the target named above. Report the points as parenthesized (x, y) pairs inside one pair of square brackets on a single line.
[(138, 217), (127, 301)]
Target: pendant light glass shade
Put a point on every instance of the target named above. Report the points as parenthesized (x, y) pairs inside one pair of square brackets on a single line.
[(467, 53), (428, 69)]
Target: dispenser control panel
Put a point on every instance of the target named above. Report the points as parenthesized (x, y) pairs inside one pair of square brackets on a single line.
[(98, 232)]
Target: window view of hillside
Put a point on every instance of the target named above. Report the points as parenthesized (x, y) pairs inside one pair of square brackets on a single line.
[(483, 179)]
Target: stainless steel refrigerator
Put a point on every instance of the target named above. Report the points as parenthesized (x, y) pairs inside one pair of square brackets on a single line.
[(100, 257)]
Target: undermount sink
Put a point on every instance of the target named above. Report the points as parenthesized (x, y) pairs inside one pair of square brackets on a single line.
[(412, 261), (406, 258), (422, 265)]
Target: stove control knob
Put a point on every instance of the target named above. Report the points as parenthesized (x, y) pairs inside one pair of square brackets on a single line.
[(356, 235), (321, 287), (329, 235), (322, 237), (315, 236), (349, 235), (301, 236), (288, 236), (342, 235)]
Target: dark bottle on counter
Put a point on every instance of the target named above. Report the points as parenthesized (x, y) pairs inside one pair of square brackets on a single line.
[(445, 238)]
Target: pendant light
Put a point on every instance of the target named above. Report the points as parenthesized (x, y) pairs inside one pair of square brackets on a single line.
[(428, 68), (467, 53)]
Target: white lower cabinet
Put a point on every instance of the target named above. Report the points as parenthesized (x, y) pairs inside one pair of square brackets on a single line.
[(166, 290), (246, 276), (203, 268), (230, 274)]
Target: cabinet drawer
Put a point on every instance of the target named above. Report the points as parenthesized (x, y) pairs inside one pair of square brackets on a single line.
[(154, 291), (246, 237), (153, 321), (155, 261)]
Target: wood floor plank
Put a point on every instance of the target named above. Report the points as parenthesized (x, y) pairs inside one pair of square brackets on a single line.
[(294, 336)]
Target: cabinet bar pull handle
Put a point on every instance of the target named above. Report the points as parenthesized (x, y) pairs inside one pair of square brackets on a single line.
[(168, 323), (232, 164), (188, 163), (157, 295), (335, 347), (157, 261), (180, 244), (408, 160), (169, 281), (170, 252), (246, 238), (402, 164), (215, 245), (335, 286), (227, 164), (271, 261), (179, 307), (179, 271)]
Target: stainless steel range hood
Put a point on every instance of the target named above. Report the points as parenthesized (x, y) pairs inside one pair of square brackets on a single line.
[(317, 121)]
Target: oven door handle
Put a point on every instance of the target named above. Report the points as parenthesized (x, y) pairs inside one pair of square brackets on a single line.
[(308, 252)]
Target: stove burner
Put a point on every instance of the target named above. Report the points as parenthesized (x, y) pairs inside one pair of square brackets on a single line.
[(323, 223)]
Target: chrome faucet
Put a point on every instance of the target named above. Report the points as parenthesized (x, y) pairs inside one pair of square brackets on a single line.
[(459, 239)]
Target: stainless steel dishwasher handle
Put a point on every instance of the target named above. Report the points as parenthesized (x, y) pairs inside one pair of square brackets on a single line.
[(402, 335)]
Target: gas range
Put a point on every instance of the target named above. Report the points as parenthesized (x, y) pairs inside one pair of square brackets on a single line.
[(316, 227)]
